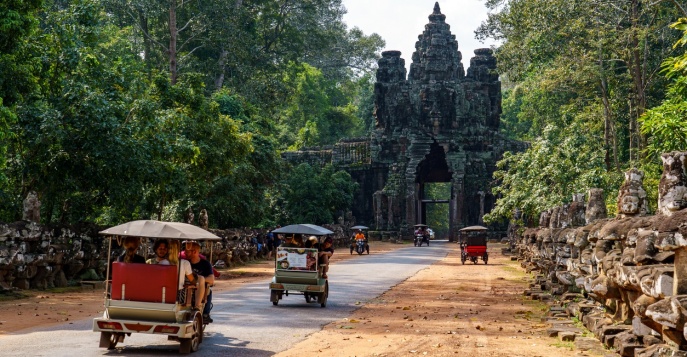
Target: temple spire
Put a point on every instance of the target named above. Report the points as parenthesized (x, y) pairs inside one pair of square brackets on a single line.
[(437, 10)]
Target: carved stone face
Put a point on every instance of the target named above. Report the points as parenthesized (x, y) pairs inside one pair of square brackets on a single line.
[(629, 204), (676, 198)]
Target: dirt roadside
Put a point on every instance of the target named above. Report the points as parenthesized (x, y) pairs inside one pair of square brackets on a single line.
[(445, 309)]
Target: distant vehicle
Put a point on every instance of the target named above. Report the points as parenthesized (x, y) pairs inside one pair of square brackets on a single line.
[(421, 235), (297, 271), (473, 244), (431, 233)]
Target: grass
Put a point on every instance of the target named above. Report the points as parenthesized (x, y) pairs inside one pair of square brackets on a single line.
[(585, 332), (25, 294), (14, 295), (569, 345)]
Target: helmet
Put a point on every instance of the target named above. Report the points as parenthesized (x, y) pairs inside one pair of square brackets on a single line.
[(313, 239)]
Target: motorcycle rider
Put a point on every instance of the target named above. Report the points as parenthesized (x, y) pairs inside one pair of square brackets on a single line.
[(359, 236)]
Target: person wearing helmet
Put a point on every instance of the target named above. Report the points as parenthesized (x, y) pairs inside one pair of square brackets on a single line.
[(312, 242)]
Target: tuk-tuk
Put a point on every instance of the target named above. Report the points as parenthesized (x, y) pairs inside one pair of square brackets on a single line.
[(473, 244), (297, 270), (143, 298)]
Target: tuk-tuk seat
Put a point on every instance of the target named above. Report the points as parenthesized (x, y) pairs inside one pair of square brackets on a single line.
[(296, 277), (144, 282)]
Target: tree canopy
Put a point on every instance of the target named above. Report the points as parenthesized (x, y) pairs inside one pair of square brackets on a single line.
[(583, 85), (118, 110)]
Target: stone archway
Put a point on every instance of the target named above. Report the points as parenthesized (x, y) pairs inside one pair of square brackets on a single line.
[(432, 169)]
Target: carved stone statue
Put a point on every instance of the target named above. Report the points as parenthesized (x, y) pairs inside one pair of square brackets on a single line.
[(32, 208), (189, 216), (632, 200), (203, 219), (672, 189), (553, 222), (545, 218), (596, 206), (576, 210)]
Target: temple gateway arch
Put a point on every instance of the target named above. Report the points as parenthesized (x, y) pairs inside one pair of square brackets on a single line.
[(436, 123)]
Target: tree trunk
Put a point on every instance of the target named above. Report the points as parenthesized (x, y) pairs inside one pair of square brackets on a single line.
[(222, 67), (143, 23), (637, 75), (173, 41), (162, 207), (607, 117)]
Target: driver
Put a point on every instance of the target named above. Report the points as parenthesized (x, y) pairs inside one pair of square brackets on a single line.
[(359, 235)]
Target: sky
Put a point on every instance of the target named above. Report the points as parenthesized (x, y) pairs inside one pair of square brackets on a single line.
[(399, 22)]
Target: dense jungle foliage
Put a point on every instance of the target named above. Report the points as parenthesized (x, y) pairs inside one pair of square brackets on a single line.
[(596, 86), (113, 110)]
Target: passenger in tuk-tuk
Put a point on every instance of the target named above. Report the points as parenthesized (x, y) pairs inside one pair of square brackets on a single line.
[(325, 252), (312, 242), (131, 245), (160, 247), (294, 241), (186, 273), (202, 268)]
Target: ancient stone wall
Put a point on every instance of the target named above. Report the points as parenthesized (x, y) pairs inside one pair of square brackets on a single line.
[(39, 257), (624, 277)]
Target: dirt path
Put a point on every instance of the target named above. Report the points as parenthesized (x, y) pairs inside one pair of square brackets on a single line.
[(445, 309), (448, 309)]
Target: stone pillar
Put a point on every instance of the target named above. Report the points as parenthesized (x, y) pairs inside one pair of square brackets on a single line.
[(410, 205), (456, 207), (481, 206)]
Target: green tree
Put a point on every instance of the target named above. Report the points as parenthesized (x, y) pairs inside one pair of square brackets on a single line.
[(317, 196)]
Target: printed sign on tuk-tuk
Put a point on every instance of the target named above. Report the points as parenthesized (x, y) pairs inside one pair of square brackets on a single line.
[(296, 259)]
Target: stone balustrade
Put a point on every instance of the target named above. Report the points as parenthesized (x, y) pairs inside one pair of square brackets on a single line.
[(623, 277)]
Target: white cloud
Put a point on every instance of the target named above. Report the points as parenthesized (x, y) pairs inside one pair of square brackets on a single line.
[(399, 22)]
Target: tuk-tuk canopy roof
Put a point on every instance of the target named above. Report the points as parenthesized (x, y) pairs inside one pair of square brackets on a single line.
[(159, 229), (474, 228), (308, 229)]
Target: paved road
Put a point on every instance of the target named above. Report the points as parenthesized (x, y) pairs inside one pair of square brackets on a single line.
[(246, 322)]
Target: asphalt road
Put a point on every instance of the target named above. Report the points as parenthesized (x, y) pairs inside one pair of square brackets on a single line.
[(245, 321)]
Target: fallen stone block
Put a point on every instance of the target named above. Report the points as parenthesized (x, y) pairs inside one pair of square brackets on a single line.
[(660, 350), (625, 343)]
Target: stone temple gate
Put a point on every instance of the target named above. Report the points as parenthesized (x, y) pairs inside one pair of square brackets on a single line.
[(436, 124)]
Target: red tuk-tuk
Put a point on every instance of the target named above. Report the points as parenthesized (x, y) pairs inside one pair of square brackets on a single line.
[(473, 244), (143, 298)]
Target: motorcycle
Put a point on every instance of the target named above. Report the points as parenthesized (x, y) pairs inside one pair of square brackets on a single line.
[(419, 239), (360, 246)]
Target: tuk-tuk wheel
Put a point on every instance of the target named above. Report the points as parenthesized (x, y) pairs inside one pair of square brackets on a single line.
[(308, 298), (191, 344), (322, 297), (485, 257), (274, 297), (109, 340)]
